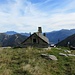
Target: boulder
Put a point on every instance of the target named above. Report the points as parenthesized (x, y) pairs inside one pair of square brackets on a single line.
[(62, 54), (70, 54), (67, 51), (52, 57), (44, 55)]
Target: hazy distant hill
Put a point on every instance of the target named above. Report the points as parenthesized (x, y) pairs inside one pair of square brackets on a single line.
[(10, 32), (25, 34), (70, 39), (11, 40), (59, 35), (13, 32)]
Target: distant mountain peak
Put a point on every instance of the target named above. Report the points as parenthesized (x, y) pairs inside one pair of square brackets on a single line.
[(10, 32)]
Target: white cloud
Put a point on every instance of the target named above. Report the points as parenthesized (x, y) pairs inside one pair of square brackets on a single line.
[(24, 16)]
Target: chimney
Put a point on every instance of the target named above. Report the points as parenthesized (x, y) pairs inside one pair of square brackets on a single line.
[(39, 29)]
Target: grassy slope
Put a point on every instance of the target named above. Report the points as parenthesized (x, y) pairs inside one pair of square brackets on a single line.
[(28, 61)]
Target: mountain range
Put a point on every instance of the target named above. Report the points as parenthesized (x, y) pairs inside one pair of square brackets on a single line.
[(12, 38), (57, 36)]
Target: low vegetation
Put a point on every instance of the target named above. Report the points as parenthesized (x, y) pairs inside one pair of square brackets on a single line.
[(28, 61)]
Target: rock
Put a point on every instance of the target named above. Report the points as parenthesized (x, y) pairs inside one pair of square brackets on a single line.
[(70, 54), (72, 48), (67, 51), (52, 57), (66, 55), (49, 48), (44, 55), (62, 54), (58, 48)]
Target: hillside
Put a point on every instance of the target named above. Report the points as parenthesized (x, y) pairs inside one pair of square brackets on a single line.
[(70, 39), (59, 35), (11, 40), (28, 61), (3, 37)]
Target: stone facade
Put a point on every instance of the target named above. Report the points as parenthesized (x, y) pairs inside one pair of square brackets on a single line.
[(35, 41)]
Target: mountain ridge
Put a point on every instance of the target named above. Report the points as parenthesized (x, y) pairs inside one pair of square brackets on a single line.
[(60, 35), (69, 41), (11, 40), (9, 37)]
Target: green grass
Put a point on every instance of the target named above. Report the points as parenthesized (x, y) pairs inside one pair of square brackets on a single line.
[(28, 61)]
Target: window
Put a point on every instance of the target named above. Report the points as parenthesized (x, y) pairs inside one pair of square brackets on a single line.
[(34, 40)]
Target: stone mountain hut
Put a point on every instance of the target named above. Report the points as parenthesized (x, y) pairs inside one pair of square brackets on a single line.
[(37, 39)]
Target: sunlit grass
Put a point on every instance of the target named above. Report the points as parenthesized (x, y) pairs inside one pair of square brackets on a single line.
[(28, 61)]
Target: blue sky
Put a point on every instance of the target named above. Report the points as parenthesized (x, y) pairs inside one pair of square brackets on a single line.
[(27, 15)]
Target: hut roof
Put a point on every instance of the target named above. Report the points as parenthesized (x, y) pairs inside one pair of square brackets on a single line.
[(42, 37)]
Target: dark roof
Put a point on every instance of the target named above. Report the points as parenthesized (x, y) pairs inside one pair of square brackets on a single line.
[(42, 37)]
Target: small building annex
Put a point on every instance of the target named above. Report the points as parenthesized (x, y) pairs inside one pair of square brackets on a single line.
[(37, 39)]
